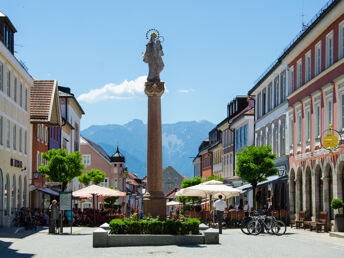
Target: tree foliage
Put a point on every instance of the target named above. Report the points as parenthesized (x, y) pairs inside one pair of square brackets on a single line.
[(62, 167), (187, 183), (255, 164), (213, 177), (95, 175)]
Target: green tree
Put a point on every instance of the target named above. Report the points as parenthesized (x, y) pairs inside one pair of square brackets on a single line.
[(213, 177), (62, 167), (95, 175), (187, 183), (254, 165)]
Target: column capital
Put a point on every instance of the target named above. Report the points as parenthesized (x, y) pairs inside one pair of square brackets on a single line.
[(154, 89)]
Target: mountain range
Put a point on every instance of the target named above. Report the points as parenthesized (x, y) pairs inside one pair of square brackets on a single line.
[(180, 142)]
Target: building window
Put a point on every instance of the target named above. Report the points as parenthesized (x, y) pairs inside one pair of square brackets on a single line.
[(283, 87), (329, 49), (299, 74), (318, 58), (86, 159), (26, 98), (9, 83), (20, 140), (8, 134), (291, 132), (14, 137), (21, 95), (308, 126), (15, 90), (329, 109), (269, 137), (270, 97), (1, 131), (341, 109), (299, 126), (282, 150), (276, 91), (291, 80), (258, 106), (245, 135), (317, 120), (341, 40), (308, 66), (275, 139), (1, 77), (25, 142), (264, 102)]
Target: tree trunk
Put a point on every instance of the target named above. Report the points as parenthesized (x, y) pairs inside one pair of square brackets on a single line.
[(254, 197)]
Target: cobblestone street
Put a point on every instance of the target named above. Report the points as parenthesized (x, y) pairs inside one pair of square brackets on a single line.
[(296, 243)]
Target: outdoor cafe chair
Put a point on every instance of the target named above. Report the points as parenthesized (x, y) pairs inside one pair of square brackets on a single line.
[(323, 222), (299, 223)]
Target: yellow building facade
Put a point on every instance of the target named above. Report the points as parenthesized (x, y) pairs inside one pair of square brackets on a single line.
[(15, 128)]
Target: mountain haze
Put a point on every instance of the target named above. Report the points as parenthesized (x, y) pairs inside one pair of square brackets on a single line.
[(180, 142)]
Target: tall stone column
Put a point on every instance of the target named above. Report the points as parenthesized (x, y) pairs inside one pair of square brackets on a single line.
[(154, 201)]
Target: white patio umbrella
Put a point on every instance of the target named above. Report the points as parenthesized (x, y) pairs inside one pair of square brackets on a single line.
[(173, 203), (204, 190)]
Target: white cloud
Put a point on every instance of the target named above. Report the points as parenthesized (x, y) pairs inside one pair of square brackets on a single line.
[(185, 91), (125, 90)]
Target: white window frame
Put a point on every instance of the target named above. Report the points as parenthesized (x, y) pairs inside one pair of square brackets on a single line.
[(86, 159), (328, 108), (317, 58), (317, 122), (291, 131), (329, 49), (299, 73), (283, 77), (14, 137), (1, 76), (15, 89), (20, 139), (299, 127), (340, 108), (8, 84), (308, 66), (291, 80), (307, 127), (277, 91), (341, 40), (8, 134), (1, 131)]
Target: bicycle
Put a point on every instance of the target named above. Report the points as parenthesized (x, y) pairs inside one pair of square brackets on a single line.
[(263, 222)]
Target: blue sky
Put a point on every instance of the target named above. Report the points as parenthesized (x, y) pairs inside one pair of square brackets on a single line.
[(214, 50)]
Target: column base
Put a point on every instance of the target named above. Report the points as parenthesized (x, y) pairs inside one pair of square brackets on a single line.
[(154, 205)]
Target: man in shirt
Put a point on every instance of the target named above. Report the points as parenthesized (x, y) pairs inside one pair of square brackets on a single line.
[(220, 206)]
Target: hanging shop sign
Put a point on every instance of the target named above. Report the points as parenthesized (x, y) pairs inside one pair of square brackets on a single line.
[(330, 139)]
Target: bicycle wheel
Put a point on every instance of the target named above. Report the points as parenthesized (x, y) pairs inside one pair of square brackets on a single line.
[(279, 228), (243, 226), (254, 227)]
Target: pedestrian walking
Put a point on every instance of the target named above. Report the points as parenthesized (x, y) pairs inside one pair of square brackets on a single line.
[(54, 216), (220, 206)]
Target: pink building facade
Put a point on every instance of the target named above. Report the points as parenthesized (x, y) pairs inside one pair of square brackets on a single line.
[(316, 101), (94, 157)]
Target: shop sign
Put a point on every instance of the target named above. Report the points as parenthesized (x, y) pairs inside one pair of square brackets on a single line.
[(66, 201), (16, 163), (330, 141)]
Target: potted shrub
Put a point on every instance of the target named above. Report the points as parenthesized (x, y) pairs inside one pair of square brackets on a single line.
[(339, 218)]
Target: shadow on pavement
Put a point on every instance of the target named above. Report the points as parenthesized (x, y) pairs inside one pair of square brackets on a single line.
[(5, 251), (14, 232)]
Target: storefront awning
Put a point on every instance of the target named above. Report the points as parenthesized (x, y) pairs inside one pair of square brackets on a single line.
[(47, 191), (269, 180)]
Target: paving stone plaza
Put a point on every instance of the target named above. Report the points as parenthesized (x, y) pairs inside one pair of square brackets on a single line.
[(233, 243)]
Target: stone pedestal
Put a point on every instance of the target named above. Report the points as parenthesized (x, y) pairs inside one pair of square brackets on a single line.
[(154, 202)]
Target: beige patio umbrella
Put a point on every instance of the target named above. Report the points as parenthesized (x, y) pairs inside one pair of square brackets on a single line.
[(96, 190), (173, 203)]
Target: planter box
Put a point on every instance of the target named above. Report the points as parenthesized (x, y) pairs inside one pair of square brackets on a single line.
[(102, 238)]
